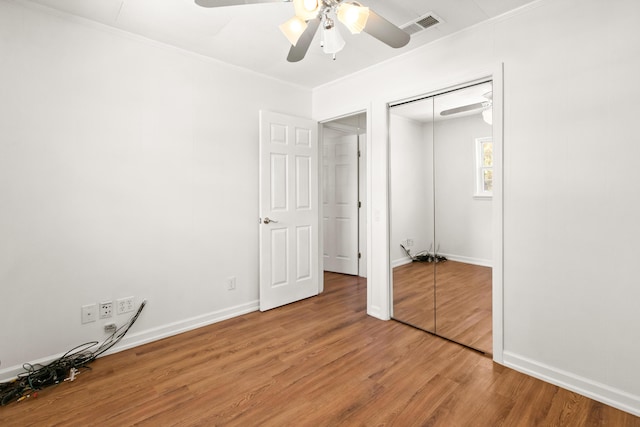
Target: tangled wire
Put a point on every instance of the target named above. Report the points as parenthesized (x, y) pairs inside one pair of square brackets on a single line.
[(37, 377)]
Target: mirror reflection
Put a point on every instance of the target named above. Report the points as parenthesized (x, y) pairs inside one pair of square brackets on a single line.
[(441, 177), (412, 213)]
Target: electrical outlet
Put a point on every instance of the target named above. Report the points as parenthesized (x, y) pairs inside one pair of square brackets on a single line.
[(125, 305), (110, 328), (106, 309), (409, 242), (89, 313), (231, 283)]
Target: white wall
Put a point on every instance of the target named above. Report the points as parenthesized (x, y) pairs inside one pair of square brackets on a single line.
[(571, 202), (463, 223), (126, 168)]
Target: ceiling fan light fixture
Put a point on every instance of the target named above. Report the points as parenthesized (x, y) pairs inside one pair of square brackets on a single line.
[(487, 116), (353, 17), (307, 9), (332, 41), (293, 29)]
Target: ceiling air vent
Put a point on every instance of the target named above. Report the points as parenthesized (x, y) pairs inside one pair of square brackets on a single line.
[(421, 24)]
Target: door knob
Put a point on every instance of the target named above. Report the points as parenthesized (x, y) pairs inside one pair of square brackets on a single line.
[(266, 220)]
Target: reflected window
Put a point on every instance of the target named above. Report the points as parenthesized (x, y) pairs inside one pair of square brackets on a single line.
[(484, 167)]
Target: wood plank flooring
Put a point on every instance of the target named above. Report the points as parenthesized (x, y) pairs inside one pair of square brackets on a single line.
[(318, 362)]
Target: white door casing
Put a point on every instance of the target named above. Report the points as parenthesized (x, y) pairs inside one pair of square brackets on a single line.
[(340, 204), (289, 211), (362, 202)]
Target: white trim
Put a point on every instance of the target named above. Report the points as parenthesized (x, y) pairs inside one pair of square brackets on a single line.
[(373, 309), (320, 207), (498, 214), (143, 337), (401, 261), (468, 260), (592, 389), (376, 311), (458, 258)]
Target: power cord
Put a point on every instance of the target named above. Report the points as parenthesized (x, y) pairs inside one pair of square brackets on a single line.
[(66, 368), (424, 256)]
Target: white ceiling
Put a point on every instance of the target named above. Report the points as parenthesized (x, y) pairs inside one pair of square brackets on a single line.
[(248, 35)]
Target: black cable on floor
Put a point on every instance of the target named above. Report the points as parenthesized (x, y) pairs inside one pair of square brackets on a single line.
[(37, 377)]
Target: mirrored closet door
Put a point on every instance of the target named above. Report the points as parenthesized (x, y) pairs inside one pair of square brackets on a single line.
[(440, 211)]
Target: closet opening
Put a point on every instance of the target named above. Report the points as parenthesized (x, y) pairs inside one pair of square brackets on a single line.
[(441, 214)]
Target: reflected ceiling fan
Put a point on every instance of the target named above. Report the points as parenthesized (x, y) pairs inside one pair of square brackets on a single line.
[(484, 105), (313, 14)]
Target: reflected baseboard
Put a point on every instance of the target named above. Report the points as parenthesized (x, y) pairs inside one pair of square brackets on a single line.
[(452, 257), (468, 260), (401, 261)]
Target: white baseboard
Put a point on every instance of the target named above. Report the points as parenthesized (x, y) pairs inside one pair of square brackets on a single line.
[(143, 337), (597, 391), (401, 261), (468, 260), (376, 312)]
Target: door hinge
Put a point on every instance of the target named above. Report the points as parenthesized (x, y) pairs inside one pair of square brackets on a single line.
[(359, 153), (359, 255), (359, 204)]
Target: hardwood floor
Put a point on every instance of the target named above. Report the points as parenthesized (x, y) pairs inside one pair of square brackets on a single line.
[(457, 307), (318, 362)]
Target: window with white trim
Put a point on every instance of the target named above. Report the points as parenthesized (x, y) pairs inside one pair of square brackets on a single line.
[(484, 167)]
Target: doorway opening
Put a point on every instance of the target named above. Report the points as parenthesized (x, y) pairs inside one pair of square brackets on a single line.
[(343, 178)]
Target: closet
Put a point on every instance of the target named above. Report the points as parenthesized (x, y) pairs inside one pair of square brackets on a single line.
[(440, 182)]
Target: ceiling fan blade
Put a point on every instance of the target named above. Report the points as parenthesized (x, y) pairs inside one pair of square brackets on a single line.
[(464, 108), (221, 3), (297, 52), (385, 31)]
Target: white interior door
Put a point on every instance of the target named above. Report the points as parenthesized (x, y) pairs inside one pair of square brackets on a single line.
[(289, 212), (340, 204)]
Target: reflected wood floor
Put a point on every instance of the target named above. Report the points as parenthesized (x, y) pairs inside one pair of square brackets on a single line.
[(317, 362), (414, 295), (463, 304), (459, 307)]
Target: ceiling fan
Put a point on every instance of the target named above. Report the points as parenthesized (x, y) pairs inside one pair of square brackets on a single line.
[(484, 105), (313, 14)]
